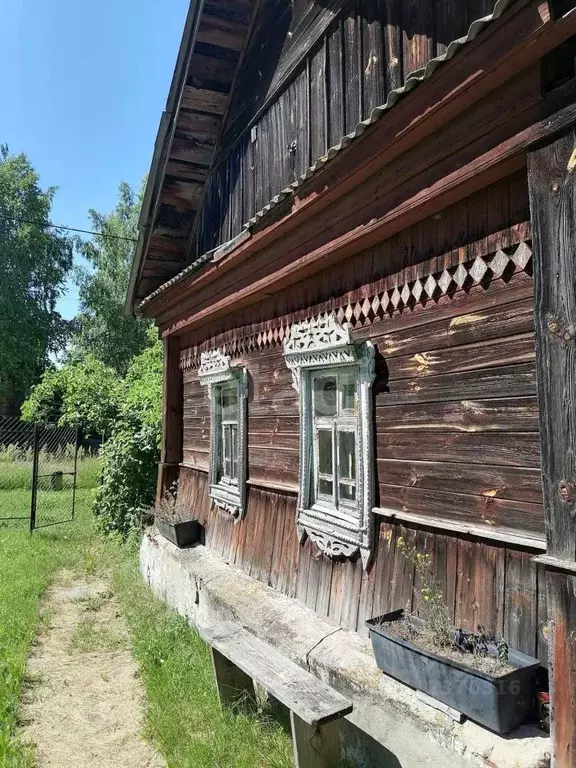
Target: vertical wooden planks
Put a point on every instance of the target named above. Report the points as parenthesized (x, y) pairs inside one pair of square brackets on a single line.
[(236, 192), (445, 562), (300, 119), (350, 596), (553, 206), (318, 104), (498, 196), (367, 586), (543, 626), (372, 63), (521, 602), (248, 209), (402, 577), (426, 545), (352, 63), (519, 207), (450, 20), (562, 648), (382, 568), (418, 36), (477, 224), (324, 588), (393, 44), (336, 118), (459, 217), (480, 588)]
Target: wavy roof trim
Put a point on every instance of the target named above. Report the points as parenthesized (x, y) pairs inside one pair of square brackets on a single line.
[(412, 81)]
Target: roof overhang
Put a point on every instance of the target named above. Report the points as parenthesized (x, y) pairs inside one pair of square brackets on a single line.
[(212, 44), (519, 38)]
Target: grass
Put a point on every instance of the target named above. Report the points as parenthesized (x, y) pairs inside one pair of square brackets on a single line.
[(183, 717), (27, 565), (88, 637), (17, 475)]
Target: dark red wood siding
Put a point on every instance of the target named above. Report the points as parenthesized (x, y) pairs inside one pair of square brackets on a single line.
[(456, 424)]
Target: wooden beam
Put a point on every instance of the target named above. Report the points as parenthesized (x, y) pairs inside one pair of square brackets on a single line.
[(235, 687), (552, 187), (204, 100), (315, 746)]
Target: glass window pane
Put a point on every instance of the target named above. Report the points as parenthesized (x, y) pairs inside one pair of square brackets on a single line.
[(349, 395), (229, 403), (347, 492), (347, 455), (227, 451), (325, 451), (325, 396), (234, 430), (324, 486)]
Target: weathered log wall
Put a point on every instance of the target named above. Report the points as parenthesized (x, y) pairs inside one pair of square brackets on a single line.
[(493, 585), (448, 304)]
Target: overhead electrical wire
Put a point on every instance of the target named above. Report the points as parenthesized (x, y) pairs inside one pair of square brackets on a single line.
[(50, 225)]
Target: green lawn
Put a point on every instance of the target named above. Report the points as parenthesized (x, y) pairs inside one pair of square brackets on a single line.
[(183, 716)]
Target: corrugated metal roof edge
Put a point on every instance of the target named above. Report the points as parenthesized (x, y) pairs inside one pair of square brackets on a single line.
[(413, 80)]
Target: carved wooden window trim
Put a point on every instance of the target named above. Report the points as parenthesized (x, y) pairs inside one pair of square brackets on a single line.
[(322, 345), (227, 490)]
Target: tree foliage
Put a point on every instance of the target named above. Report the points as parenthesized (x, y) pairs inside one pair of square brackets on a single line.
[(103, 328), (84, 392), (34, 263)]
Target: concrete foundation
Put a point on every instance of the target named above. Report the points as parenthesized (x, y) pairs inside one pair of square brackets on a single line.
[(390, 725)]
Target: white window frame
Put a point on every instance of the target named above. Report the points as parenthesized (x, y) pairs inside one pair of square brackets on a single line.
[(322, 347), (228, 493)]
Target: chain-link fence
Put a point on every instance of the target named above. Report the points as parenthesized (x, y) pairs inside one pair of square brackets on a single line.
[(38, 467), (16, 469)]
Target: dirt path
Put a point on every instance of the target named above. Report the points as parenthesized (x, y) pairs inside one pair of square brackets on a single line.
[(83, 706)]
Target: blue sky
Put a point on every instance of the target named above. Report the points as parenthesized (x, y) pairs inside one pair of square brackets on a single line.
[(83, 87)]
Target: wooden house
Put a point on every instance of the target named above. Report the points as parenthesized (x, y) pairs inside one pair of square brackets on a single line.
[(357, 241)]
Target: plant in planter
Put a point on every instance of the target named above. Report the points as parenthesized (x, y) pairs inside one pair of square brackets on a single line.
[(173, 520), (469, 671)]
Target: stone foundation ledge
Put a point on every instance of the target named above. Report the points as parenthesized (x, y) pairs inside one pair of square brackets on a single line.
[(390, 726)]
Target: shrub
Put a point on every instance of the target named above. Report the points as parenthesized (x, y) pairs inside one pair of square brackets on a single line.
[(130, 457)]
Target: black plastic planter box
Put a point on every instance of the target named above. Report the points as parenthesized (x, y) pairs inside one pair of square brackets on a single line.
[(499, 703), (181, 534)]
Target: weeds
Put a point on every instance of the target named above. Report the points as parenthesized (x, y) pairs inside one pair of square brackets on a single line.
[(171, 507), (438, 618)]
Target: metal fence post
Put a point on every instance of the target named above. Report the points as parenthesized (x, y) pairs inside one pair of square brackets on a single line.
[(75, 471), (34, 478)]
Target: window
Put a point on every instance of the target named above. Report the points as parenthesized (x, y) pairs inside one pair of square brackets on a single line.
[(228, 394), (335, 425), (333, 375), (227, 417)]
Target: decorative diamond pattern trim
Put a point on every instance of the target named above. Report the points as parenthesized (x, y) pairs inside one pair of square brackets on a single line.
[(422, 289)]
